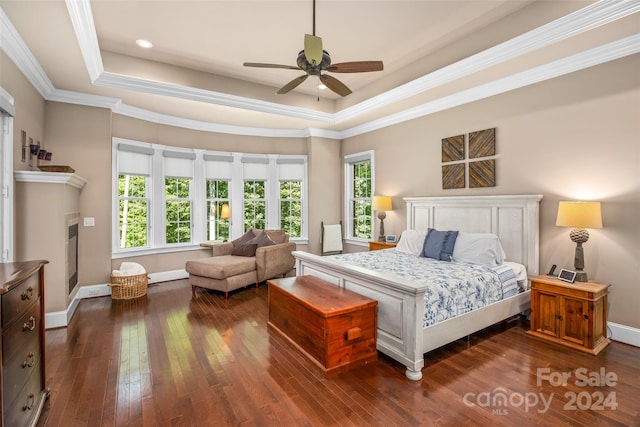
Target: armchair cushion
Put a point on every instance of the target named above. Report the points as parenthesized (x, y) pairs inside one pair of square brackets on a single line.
[(261, 240), (244, 238), (247, 249), (221, 267)]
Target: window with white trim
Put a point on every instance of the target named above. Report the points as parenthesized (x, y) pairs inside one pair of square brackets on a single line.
[(359, 185), (133, 192), (291, 172), (167, 197), (178, 177)]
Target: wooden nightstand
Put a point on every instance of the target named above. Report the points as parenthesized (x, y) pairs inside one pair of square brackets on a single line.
[(375, 245), (571, 314)]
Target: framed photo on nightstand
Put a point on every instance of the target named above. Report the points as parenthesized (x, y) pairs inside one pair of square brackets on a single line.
[(567, 275), (391, 238)]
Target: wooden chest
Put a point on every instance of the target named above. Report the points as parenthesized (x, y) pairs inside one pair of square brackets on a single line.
[(334, 327)]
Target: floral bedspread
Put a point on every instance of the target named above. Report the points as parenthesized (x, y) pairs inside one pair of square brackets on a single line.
[(453, 288)]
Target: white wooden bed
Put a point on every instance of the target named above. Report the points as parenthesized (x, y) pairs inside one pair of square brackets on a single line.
[(401, 334)]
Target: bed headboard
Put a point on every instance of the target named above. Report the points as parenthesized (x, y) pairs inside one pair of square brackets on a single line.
[(513, 218)]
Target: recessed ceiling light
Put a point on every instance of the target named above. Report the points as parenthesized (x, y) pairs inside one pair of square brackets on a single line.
[(144, 43)]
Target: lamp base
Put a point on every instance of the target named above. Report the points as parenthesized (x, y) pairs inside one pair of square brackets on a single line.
[(581, 276)]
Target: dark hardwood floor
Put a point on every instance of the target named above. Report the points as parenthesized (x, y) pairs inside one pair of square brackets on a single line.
[(169, 360)]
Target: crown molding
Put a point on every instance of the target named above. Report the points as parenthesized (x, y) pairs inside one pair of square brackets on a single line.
[(121, 81), (16, 49), (589, 58), (582, 20), (82, 20)]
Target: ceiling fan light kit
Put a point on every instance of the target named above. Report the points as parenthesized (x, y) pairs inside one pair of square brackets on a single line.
[(315, 61)]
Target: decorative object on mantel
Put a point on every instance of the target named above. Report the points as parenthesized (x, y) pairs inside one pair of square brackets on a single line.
[(57, 168), (381, 204), (482, 173), (580, 216)]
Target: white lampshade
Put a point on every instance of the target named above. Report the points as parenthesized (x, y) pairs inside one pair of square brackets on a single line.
[(579, 215), (381, 203)]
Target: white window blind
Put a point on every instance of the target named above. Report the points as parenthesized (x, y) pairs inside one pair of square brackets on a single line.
[(178, 164), (218, 166), (290, 169), (255, 168), (134, 160)]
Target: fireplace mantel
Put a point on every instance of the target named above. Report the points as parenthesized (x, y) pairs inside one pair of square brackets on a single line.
[(50, 178)]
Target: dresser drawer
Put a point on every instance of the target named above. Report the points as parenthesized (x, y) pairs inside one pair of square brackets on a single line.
[(28, 402), (16, 371), (18, 300), (23, 329)]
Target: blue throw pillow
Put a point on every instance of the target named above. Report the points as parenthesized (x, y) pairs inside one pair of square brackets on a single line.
[(439, 244), (433, 244), (447, 246)]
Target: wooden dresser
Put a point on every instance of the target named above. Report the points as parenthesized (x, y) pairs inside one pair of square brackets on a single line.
[(334, 327), (22, 376), (571, 314)]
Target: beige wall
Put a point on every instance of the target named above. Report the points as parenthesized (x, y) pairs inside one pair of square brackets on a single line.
[(574, 137), (30, 109)]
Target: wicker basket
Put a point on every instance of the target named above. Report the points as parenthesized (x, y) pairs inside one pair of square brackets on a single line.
[(128, 287)]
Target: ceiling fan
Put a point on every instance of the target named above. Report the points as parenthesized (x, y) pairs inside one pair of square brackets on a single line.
[(315, 61)]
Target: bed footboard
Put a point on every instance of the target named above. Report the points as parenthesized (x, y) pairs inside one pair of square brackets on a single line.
[(400, 306)]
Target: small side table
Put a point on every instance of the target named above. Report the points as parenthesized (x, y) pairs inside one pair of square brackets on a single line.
[(211, 243), (376, 246), (571, 314)]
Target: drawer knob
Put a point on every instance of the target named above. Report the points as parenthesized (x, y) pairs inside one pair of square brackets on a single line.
[(31, 325), (29, 361), (30, 402), (353, 333), (27, 294)]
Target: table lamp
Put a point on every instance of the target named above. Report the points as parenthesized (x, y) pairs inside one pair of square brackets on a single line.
[(580, 216), (225, 212), (381, 204)]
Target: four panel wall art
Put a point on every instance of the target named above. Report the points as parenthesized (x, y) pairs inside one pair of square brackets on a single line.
[(477, 157)]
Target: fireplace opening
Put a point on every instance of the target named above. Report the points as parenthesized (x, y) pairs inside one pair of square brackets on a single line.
[(72, 253)]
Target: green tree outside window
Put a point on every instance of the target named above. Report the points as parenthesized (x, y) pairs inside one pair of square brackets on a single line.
[(361, 203), (178, 210), (291, 207), (217, 192), (255, 205), (133, 202)]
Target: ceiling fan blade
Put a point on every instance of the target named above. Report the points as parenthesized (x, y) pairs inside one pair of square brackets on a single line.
[(292, 84), (335, 85), (356, 67), (313, 49), (260, 65)]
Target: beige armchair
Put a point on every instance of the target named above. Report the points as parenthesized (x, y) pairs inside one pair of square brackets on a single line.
[(230, 268)]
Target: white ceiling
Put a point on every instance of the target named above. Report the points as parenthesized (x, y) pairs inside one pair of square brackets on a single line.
[(194, 77)]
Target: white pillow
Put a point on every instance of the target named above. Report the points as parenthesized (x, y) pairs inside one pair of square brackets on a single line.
[(411, 241), (478, 248)]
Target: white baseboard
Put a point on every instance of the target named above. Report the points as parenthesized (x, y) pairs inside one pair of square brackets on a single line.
[(60, 319), (625, 334)]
